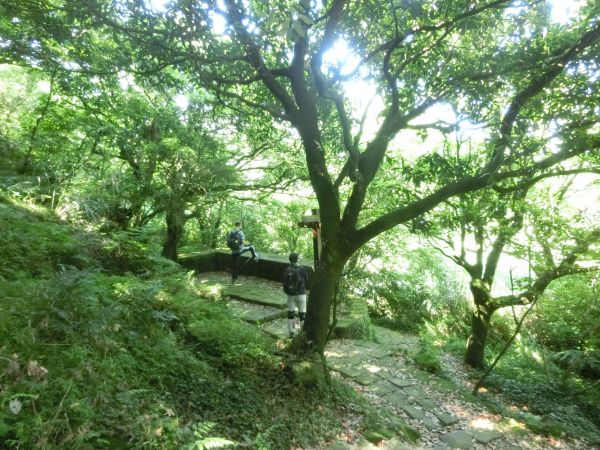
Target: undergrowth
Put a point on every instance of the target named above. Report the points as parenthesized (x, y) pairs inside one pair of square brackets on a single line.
[(102, 346), (428, 356), (564, 402), (545, 398)]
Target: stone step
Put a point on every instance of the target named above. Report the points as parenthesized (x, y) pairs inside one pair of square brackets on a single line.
[(446, 418), (258, 296), (254, 313), (460, 439), (277, 328), (382, 388), (248, 289)]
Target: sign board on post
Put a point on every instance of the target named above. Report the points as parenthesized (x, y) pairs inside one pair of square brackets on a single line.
[(313, 220)]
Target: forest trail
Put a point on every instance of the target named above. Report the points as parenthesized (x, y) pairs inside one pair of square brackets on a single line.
[(440, 414)]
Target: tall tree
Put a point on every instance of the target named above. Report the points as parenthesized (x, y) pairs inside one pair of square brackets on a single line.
[(483, 227)]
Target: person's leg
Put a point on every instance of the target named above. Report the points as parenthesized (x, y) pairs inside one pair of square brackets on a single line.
[(301, 302), (254, 252), (241, 264), (291, 314), (251, 249), (234, 266)]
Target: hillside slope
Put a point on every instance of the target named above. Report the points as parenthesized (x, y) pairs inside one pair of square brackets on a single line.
[(104, 346)]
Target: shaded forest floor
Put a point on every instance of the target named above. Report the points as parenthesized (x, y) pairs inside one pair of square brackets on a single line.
[(439, 409)]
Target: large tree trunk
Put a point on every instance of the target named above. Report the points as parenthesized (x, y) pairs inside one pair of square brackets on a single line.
[(480, 321), (320, 299), (175, 217)]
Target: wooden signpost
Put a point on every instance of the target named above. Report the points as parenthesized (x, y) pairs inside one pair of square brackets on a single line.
[(313, 221)]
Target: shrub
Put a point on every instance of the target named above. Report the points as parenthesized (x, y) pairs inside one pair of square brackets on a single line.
[(567, 315), (428, 356)]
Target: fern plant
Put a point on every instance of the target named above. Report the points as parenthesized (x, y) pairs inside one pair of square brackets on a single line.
[(204, 442)]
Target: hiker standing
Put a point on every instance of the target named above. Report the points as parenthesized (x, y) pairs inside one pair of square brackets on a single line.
[(295, 278), (235, 241)]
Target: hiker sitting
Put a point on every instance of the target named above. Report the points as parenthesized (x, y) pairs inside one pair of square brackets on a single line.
[(295, 278), (235, 241)]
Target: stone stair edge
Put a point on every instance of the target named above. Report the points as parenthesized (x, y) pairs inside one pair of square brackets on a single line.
[(257, 301), (274, 257)]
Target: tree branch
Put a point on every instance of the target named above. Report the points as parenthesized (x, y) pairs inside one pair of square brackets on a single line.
[(508, 229), (463, 186), (566, 267), (531, 90), (255, 59), (334, 16), (534, 180)]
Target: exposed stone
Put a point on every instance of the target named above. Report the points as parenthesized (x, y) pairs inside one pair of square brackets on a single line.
[(355, 360), (458, 440), (382, 387), (366, 362), (387, 336), (256, 295), (384, 371), (378, 352), (350, 371), (397, 444), (336, 362), (202, 261), (425, 403), (403, 430), (413, 412), (486, 436), (447, 419), (401, 382), (270, 266), (253, 313), (366, 378), (276, 328), (430, 423), (399, 399), (415, 392)]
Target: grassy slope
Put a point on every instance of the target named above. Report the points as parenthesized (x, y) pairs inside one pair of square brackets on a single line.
[(95, 356)]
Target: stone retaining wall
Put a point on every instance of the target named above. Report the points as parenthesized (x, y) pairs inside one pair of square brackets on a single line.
[(270, 267)]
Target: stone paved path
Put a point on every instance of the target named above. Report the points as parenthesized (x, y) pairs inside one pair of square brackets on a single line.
[(434, 412), (384, 373)]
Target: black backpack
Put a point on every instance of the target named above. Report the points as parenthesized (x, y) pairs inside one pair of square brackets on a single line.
[(234, 240), (293, 282)]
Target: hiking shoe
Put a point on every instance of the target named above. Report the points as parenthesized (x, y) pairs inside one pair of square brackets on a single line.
[(257, 257)]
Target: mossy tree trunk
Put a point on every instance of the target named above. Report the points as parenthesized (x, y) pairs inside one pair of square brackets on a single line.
[(480, 323), (321, 297), (175, 218)]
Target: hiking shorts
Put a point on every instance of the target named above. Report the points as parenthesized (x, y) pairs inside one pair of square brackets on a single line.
[(298, 301)]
